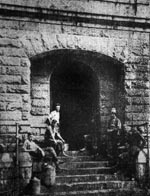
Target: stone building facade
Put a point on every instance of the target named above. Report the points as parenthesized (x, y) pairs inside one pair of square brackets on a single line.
[(89, 55)]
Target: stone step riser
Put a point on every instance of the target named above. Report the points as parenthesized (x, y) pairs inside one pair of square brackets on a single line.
[(109, 193), (87, 178), (94, 186), (83, 171), (72, 165), (75, 159), (77, 153), (121, 192)]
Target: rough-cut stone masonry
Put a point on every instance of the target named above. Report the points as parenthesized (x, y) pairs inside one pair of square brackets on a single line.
[(114, 33)]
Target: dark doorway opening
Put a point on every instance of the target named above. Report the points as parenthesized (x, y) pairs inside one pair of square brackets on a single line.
[(76, 87)]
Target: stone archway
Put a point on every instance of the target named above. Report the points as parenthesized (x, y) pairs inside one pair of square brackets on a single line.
[(101, 77)]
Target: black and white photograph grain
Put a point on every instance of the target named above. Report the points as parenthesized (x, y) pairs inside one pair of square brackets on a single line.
[(74, 97)]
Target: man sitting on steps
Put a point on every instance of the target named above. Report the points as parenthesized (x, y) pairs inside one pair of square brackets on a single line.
[(53, 141), (34, 150)]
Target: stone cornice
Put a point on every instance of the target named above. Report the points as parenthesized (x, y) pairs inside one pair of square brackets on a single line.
[(77, 18)]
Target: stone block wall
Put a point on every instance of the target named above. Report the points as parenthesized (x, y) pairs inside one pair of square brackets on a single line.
[(117, 30)]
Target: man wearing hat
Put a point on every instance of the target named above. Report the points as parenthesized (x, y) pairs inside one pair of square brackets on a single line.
[(114, 125)]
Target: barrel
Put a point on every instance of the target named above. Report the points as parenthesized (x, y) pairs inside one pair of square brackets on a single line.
[(141, 167), (25, 168), (48, 175), (7, 172), (35, 186)]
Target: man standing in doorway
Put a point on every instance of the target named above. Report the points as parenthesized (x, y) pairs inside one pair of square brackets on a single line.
[(114, 126), (55, 115)]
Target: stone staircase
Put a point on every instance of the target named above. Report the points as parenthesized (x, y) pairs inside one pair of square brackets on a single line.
[(81, 176)]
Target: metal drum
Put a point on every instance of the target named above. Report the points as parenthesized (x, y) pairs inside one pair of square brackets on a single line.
[(25, 168), (48, 175), (7, 174)]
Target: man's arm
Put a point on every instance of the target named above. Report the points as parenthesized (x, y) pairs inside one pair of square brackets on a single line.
[(40, 149), (118, 124), (26, 146), (59, 136), (51, 116)]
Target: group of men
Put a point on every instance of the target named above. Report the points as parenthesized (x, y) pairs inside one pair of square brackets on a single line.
[(123, 142), (123, 145), (53, 142)]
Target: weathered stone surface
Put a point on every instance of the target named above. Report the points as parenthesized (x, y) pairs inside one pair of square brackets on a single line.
[(137, 116), (12, 106), (137, 92), (13, 52), (42, 131), (2, 106), (2, 70), (137, 109), (39, 111), (7, 129), (2, 89), (25, 79), (5, 79), (10, 97), (26, 107), (25, 115), (130, 76), (40, 80), (138, 101), (15, 70), (11, 34), (122, 7), (134, 122), (143, 68), (38, 121), (36, 37), (140, 84), (10, 115), (138, 60), (12, 61), (24, 129), (40, 94), (39, 103), (5, 42), (137, 84), (22, 89), (137, 75), (38, 86), (26, 98), (25, 62)]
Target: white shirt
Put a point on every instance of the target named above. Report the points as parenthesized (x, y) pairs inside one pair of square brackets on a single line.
[(32, 146), (54, 115)]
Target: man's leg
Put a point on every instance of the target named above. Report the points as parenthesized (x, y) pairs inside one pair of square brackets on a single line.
[(59, 148), (54, 157)]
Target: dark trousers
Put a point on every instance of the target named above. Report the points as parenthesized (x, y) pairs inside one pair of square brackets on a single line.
[(36, 155)]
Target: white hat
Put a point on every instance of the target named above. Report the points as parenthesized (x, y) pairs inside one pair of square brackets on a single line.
[(113, 110)]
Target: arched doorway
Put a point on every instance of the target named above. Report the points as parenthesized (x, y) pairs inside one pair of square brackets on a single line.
[(87, 84), (76, 87)]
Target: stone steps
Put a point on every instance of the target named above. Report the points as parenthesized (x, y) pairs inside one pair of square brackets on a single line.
[(95, 185), (88, 178), (83, 171), (81, 175), (105, 192), (84, 164), (73, 158)]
